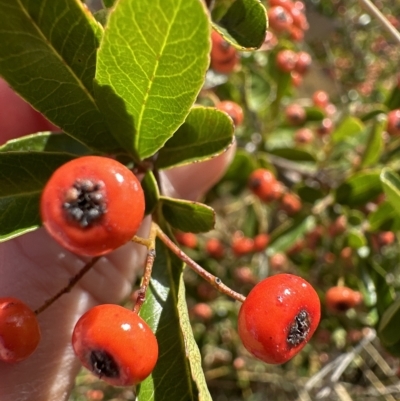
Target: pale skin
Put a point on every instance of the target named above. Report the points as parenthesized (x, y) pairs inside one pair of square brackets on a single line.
[(33, 267)]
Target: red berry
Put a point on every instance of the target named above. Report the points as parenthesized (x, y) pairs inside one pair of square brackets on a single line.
[(279, 262), (186, 239), (326, 127), (115, 344), (296, 78), (263, 184), (278, 317), (296, 34), (19, 330), (261, 241), (320, 99), (92, 205), (279, 19), (244, 275), (338, 226), (215, 248), (224, 57), (299, 18), (201, 311), (286, 60), (303, 136), (303, 63), (341, 299), (242, 245), (295, 114), (233, 110), (393, 123), (291, 203)]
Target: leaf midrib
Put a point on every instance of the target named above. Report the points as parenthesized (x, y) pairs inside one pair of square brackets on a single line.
[(40, 32)]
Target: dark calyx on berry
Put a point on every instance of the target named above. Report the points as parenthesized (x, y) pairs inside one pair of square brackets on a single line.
[(103, 364), (254, 183), (299, 329), (85, 202)]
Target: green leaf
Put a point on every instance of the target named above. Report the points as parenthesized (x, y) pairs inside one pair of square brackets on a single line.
[(108, 3), (22, 178), (205, 133), (374, 146), (349, 127), (243, 23), (151, 66), (356, 239), (393, 100), (379, 109), (257, 91), (293, 154), (151, 192), (188, 216), (314, 114), (391, 186), (48, 55), (284, 238), (359, 188), (388, 329), (383, 217), (178, 374), (46, 142)]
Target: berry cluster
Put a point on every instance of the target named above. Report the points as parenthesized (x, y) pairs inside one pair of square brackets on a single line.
[(82, 208)]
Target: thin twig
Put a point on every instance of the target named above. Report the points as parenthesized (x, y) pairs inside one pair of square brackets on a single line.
[(210, 278), (70, 285), (371, 9), (150, 243)]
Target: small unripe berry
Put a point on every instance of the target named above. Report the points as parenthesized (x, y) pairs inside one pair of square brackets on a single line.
[(290, 203)]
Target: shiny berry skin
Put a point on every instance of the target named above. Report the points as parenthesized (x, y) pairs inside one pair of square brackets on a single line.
[(286, 60), (278, 318), (393, 123), (115, 344), (234, 111), (92, 205), (19, 330), (340, 299), (295, 114)]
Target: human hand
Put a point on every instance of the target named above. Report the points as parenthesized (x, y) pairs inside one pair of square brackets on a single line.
[(33, 268)]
